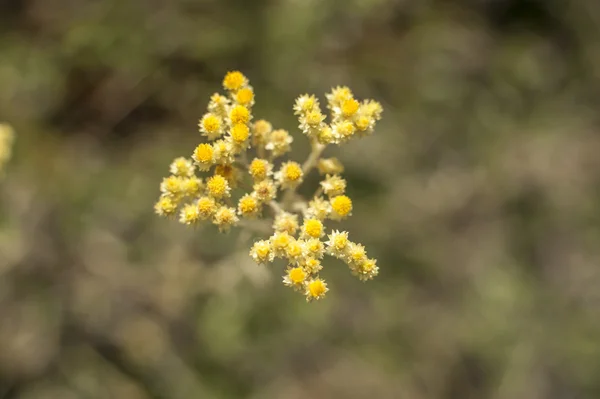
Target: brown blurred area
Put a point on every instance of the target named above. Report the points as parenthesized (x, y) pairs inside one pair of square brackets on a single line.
[(479, 194)]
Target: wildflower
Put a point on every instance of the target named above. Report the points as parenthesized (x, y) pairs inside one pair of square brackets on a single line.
[(295, 277), (172, 186), (239, 114), (337, 244), (245, 96), (165, 206), (330, 166), (224, 218), (341, 206), (280, 242), (337, 96), (234, 80), (260, 169), (206, 207), (248, 206), (279, 142), (333, 185), (315, 289), (294, 251), (262, 252), (239, 135), (182, 167), (356, 254), (218, 105), (318, 208), (314, 248), (211, 126), (326, 136), (290, 175), (372, 109), (204, 156), (312, 228), (287, 222), (343, 131), (367, 270), (261, 130), (189, 214), (305, 104), (312, 266), (229, 172), (218, 187), (191, 186), (265, 190), (349, 107), (223, 152), (312, 123)]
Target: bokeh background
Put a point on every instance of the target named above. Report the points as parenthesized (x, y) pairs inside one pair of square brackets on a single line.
[(479, 195)]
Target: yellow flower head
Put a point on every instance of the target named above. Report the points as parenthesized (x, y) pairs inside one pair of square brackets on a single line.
[(285, 221), (333, 185), (211, 126), (182, 167), (349, 107), (189, 214), (341, 206), (229, 172), (295, 277), (234, 80), (290, 175), (262, 252), (325, 135), (367, 269), (206, 207), (330, 166), (312, 228), (318, 208), (305, 103), (265, 190), (225, 218), (217, 187), (372, 109), (337, 96), (240, 134), (218, 105), (165, 206), (280, 242), (356, 253), (245, 96), (172, 186), (279, 142), (223, 152), (191, 186), (337, 244), (260, 169), (314, 248), (204, 156), (312, 266), (261, 131), (315, 289), (239, 114), (294, 251), (248, 206), (343, 131)]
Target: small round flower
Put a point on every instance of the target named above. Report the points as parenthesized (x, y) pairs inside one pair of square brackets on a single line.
[(318, 208), (244, 96), (330, 166), (204, 156), (343, 131), (262, 252), (295, 278), (229, 172), (223, 152), (172, 186), (239, 114), (234, 80), (337, 96), (165, 206), (265, 190), (218, 187), (305, 103), (191, 186), (260, 169), (315, 289), (280, 242), (294, 251), (312, 228), (290, 175), (182, 167), (218, 105), (206, 207), (248, 206), (364, 125), (349, 107), (367, 270), (225, 218), (356, 254), (279, 142), (326, 136), (189, 214), (314, 248), (341, 207), (312, 122), (337, 244), (372, 109), (333, 185), (211, 126), (239, 135), (286, 221), (312, 266), (260, 132)]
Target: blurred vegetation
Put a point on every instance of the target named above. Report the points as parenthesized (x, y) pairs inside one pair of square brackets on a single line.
[(479, 194)]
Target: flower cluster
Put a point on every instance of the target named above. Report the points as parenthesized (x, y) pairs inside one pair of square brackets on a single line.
[(243, 156), (7, 137)]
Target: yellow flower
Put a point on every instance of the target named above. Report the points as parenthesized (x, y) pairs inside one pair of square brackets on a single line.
[(318, 208), (349, 107), (285, 221), (239, 134), (248, 206), (312, 228), (182, 167), (225, 218), (280, 242), (239, 114), (265, 190), (260, 169), (312, 266), (191, 186), (172, 186), (295, 277), (337, 244), (294, 251), (367, 270), (234, 80), (217, 187), (261, 131), (290, 175), (245, 96), (165, 206), (211, 126), (333, 185), (305, 103), (364, 124), (330, 166), (341, 207), (206, 207), (262, 252), (325, 135), (337, 96), (229, 172), (356, 254), (189, 214), (218, 105), (312, 122), (343, 131), (279, 142), (204, 156), (223, 152), (314, 248), (372, 109), (315, 289)]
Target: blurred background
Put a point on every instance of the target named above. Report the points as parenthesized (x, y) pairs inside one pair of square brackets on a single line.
[(479, 195)]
